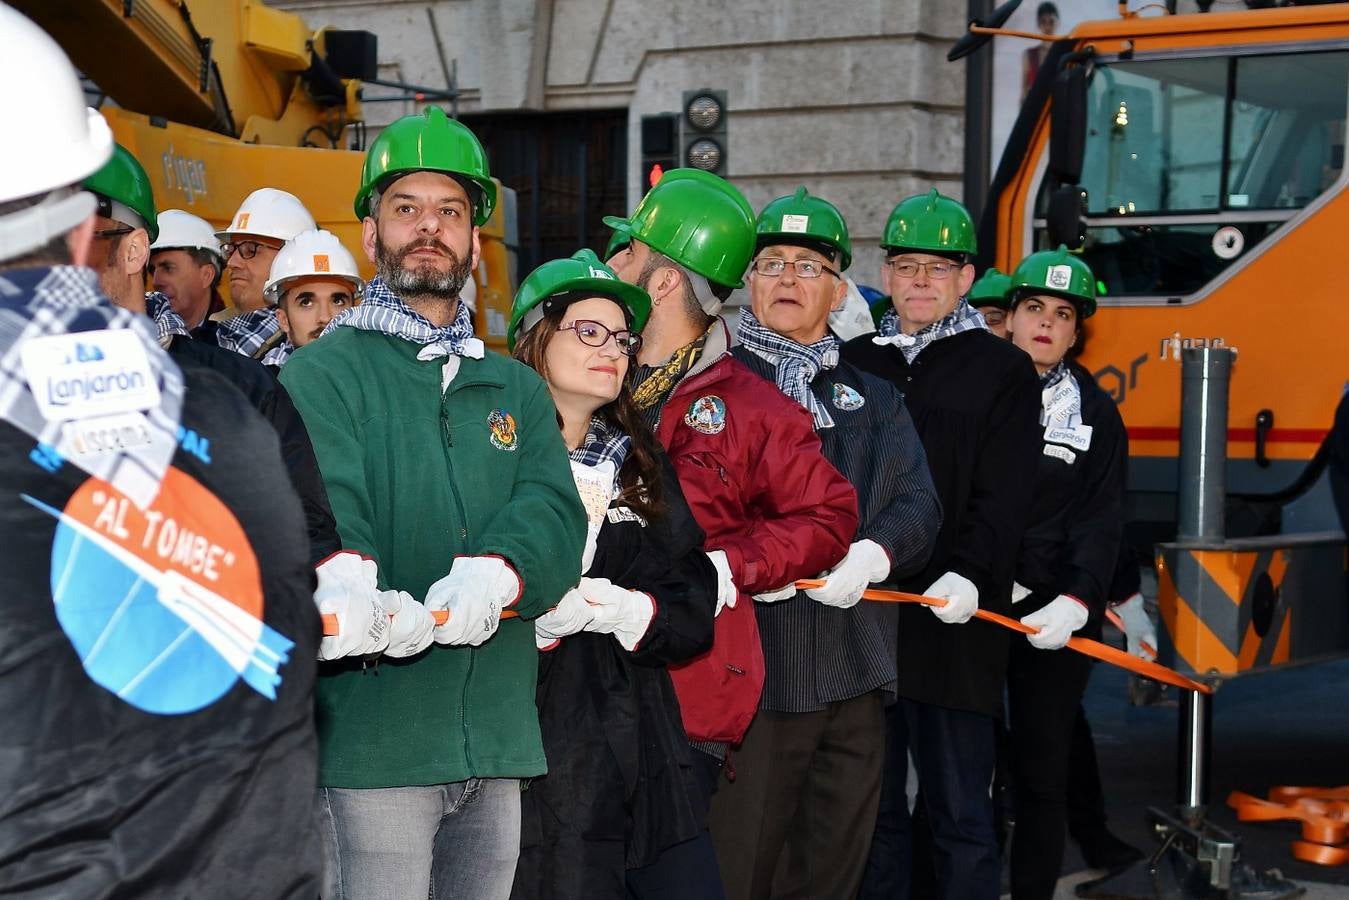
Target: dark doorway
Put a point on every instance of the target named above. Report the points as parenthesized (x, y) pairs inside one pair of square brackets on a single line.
[(568, 170)]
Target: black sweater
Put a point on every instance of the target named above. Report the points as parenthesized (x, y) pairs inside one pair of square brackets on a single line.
[(620, 786), (975, 401), (1077, 516)]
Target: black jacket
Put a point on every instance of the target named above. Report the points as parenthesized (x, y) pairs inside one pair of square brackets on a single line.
[(136, 762), (620, 786), (1077, 516), (814, 654), (975, 401), (271, 400)]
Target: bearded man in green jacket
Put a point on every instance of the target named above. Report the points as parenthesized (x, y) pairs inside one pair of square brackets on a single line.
[(445, 467)]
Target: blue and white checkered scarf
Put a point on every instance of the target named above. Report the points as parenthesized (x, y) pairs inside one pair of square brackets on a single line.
[(40, 302), (603, 443), (247, 332), (384, 311), (278, 355), (963, 318), (797, 365), (167, 322)]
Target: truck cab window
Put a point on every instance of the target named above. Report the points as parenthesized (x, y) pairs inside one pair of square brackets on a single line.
[(1191, 162)]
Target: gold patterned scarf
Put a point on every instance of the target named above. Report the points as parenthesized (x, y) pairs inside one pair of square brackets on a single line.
[(655, 384)]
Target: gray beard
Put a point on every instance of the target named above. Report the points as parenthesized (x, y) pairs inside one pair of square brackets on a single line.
[(423, 283)]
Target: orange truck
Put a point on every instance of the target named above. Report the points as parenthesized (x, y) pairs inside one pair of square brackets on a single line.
[(219, 97), (1199, 162)]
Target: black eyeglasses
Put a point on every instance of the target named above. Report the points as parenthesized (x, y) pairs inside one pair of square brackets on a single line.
[(245, 249), (772, 267), (108, 233), (908, 268), (593, 334)]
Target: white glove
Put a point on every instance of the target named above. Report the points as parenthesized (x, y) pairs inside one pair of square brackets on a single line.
[(726, 590), (843, 586), (474, 593), (1057, 620), (1138, 628), (782, 593), (571, 615), (962, 598), (624, 613), (410, 624), (348, 589)]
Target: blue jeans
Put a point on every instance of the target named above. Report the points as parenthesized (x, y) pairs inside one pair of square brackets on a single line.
[(954, 753), (436, 841)]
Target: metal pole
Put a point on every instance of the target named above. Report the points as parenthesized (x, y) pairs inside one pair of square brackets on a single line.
[(1196, 723), (978, 116), (1205, 377)]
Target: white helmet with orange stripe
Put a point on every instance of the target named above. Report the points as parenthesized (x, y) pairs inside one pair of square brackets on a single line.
[(312, 254)]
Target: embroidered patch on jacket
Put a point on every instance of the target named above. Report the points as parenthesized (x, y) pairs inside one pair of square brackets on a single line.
[(502, 425), (846, 398), (706, 415)]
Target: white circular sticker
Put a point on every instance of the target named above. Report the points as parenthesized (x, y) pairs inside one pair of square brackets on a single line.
[(1228, 242)]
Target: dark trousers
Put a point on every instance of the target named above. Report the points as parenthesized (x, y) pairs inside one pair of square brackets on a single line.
[(1086, 799), (689, 869), (796, 820), (1044, 693), (953, 753)]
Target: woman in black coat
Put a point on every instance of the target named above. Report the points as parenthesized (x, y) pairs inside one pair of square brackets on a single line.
[(620, 786), (1066, 559)]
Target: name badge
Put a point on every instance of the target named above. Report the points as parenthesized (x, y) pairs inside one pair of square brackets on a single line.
[(1077, 436), (117, 433), (89, 374), (1062, 453)]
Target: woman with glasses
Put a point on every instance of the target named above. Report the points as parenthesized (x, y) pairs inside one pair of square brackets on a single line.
[(1067, 557), (620, 787)]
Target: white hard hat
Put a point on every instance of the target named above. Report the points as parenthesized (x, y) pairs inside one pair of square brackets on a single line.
[(180, 230), (309, 254), (268, 212), (66, 141)]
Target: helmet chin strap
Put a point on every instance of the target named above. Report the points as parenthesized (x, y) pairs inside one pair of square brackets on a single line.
[(29, 229)]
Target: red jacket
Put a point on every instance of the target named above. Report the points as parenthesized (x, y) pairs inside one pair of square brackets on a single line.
[(753, 473)]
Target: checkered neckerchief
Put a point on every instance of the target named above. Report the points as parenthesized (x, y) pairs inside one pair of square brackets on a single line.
[(796, 364), (247, 332), (278, 355), (963, 318), (40, 302), (167, 322), (602, 442), (384, 311)]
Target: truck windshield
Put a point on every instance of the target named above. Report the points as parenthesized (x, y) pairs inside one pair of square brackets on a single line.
[(1191, 162)]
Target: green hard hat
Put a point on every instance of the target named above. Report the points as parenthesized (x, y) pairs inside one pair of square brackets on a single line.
[(990, 290), (429, 141), (932, 223), (1058, 273), (801, 217), (581, 275), (697, 219), (123, 180)]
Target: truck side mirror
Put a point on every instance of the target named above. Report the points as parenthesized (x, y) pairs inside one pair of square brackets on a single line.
[(1064, 216), (1068, 125)]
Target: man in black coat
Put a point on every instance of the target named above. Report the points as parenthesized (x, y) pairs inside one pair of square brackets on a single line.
[(975, 401)]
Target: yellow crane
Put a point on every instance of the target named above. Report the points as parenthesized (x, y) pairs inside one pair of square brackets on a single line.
[(219, 97)]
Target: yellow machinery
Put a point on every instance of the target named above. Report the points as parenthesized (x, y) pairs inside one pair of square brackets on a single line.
[(217, 98)]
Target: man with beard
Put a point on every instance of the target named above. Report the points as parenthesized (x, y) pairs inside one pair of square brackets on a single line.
[(446, 468)]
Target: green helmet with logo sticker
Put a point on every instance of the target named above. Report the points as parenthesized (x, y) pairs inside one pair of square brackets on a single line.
[(429, 141), (123, 180), (990, 290), (803, 219), (578, 277), (1058, 273), (931, 223), (697, 219)]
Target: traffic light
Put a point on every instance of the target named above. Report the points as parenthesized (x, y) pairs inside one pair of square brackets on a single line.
[(703, 130), (660, 150)]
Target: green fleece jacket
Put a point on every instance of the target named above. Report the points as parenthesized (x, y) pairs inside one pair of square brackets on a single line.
[(415, 478)]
